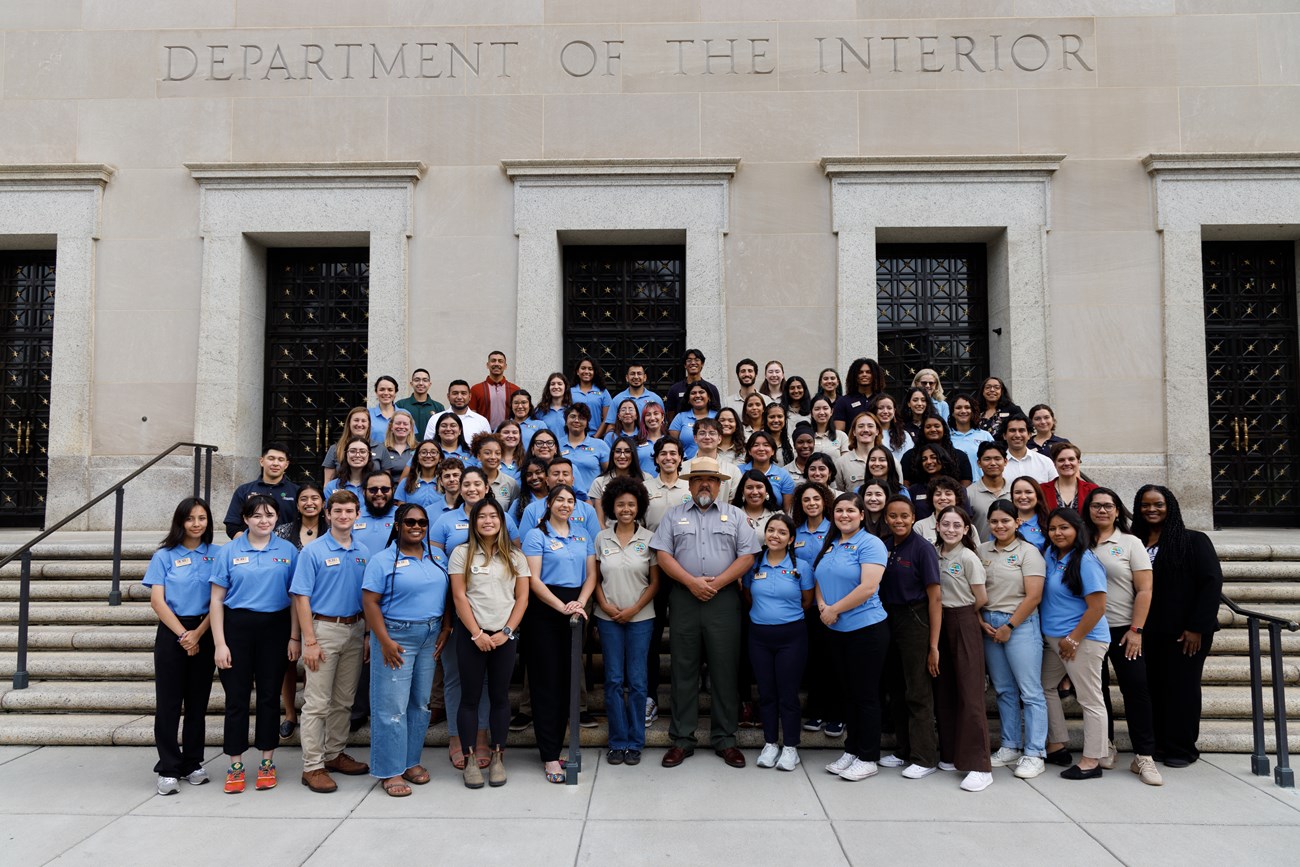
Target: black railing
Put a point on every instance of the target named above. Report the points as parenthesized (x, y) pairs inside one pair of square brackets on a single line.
[(202, 478), (573, 766), (1282, 775)]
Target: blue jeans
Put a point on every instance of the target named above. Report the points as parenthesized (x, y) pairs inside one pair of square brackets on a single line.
[(1016, 669), (451, 691), (624, 646), (399, 697)]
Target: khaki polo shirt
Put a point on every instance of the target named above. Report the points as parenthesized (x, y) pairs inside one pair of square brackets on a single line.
[(625, 570), (1005, 570), (489, 586), (852, 471), (958, 573), (981, 497), (1121, 554), (663, 497)]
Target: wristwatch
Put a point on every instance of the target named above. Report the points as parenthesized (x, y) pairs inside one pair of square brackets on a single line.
[(1137, 629), (509, 633)]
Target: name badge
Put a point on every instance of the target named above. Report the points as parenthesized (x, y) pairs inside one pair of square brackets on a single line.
[(555, 546), (759, 576), (402, 564), (239, 561), (480, 570), (359, 526), (184, 561), (608, 552), (799, 544), (683, 521), (331, 561), (462, 526)]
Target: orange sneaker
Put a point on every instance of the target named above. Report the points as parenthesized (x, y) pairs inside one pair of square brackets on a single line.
[(235, 779), (265, 775)]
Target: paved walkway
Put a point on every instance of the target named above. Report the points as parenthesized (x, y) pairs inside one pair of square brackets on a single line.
[(95, 805)]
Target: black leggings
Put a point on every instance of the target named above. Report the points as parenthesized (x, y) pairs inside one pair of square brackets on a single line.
[(473, 663), (259, 647), (547, 643), (778, 653), (859, 656), (1132, 677)]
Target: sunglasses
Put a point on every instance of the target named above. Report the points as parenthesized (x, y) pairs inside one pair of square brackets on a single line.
[(375, 489), (415, 522)]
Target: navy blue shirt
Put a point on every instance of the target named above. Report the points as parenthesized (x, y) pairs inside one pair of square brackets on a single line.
[(284, 492), (913, 565)]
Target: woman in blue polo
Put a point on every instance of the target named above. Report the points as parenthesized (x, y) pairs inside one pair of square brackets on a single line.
[(848, 572), (449, 433), (812, 509), (683, 426), (587, 388), (589, 455), (762, 457), (562, 562), (180, 594), (404, 596), (778, 591), (254, 635)]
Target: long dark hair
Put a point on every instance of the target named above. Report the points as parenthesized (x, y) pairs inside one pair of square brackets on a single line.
[(1074, 567), (176, 534), (947, 463), (822, 458), (460, 426), (928, 412), (798, 407), (834, 534), (525, 492), (896, 427), (738, 498), (633, 469), (784, 450), (798, 514), (1006, 507), (891, 474), (1175, 538), (876, 525), (402, 511), (482, 474), (551, 496), (1040, 503), (1004, 401), (1122, 517), (850, 383)]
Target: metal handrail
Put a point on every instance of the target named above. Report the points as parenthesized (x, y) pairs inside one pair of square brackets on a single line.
[(573, 766), (202, 475), (1283, 775)]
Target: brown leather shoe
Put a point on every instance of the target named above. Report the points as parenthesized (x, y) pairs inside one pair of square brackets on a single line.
[(345, 764), (732, 756), (319, 781), (675, 756)]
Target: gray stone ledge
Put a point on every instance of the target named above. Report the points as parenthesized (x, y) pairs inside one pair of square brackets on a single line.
[(679, 168), (57, 174), (923, 164), (1269, 162), (331, 173)]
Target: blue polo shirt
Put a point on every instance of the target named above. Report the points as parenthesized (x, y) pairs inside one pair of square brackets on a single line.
[(452, 529), (335, 483), (527, 428), (1060, 609), (684, 424), (255, 580), (184, 576), (776, 591), (371, 532), (564, 558), (647, 397), (782, 481), (552, 419), (588, 457), (330, 574), (584, 516), (378, 425), (597, 400), (461, 453), (808, 543), (1034, 535), (426, 494), (840, 572), (409, 588)]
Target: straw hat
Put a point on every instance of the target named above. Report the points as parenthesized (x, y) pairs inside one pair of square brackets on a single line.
[(706, 468)]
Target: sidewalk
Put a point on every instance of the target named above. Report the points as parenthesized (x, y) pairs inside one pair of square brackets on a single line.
[(95, 805)]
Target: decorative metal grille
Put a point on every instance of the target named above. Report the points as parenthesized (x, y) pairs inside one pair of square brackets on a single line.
[(26, 346), (1250, 349), (932, 303), (318, 306), (625, 304)]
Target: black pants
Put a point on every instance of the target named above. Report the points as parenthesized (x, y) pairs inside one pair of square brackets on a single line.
[(910, 687), (1132, 677), (859, 658), (825, 701), (473, 663), (653, 675), (180, 680), (778, 654), (1175, 683), (259, 643), (547, 643)]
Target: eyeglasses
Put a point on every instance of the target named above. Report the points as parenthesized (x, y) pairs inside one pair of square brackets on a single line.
[(1102, 507), (415, 522), (375, 489)]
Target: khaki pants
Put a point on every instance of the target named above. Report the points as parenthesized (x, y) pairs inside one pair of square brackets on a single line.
[(328, 692), (1085, 675)]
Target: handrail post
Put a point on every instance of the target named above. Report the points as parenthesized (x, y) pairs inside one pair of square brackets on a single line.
[(196, 471), (1258, 756), (207, 482), (574, 765), (115, 595), (24, 606), (1282, 775)]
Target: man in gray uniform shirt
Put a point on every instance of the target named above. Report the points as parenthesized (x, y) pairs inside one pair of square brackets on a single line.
[(705, 547)]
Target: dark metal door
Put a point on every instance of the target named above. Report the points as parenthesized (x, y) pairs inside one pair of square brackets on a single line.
[(27, 346), (1250, 350), (318, 306), (625, 304), (932, 311)]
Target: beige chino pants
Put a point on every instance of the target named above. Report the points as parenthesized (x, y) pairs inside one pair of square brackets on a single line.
[(328, 692), (1085, 675)]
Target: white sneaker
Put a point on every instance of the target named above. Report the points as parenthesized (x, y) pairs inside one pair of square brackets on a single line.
[(841, 764), (1145, 768), (947, 766), (859, 770), (977, 781), (651, 711), (197, 777), (1108, 763), (168, 786), (1030, 767), (890, 760), (789, 759), (917, 772), (767, 758), (1005, 757)]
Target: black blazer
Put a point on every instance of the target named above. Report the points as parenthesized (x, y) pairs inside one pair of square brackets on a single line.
[(1185, 590)]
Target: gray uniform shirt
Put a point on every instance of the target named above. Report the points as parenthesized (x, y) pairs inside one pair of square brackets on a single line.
[(705, 541)]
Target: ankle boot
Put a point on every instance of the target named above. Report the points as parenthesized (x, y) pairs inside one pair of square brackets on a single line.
[(497, 769), (473, 774)]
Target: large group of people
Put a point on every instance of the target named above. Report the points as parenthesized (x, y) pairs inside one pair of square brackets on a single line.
[(881, 550)]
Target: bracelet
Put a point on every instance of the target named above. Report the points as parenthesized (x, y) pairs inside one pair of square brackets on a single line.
[(1073, 643), (299, 640), (310, 643), (1010, 626), (477, 637), (181, 637)]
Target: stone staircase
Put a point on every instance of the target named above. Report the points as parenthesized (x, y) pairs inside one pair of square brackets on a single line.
[(91, 666)]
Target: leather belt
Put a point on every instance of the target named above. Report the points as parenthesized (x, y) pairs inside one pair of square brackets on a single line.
[(346, 621)]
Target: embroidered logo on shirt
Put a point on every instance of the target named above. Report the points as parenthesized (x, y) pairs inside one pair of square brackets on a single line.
[(280, 560), (1116, 551), (638, 547), (209, 559), (847, 547), (1013, 559), (361, 560), (954, 568)]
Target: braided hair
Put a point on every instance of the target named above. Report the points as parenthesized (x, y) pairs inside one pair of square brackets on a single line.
[(1174, 535)]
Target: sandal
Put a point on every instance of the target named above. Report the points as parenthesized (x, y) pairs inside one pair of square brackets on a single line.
[(456, 757), (558, 777), (396, 788), (417, 775), (484, 752)]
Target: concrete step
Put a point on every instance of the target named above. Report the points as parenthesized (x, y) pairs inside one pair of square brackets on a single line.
[(136, 545), (1228, 619), (71, 612), (1260, 570), (1246, 593), (74, 590), (89, 637), (73, 569)]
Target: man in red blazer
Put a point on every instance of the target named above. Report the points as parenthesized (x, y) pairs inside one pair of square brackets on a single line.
[(491, 397)]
